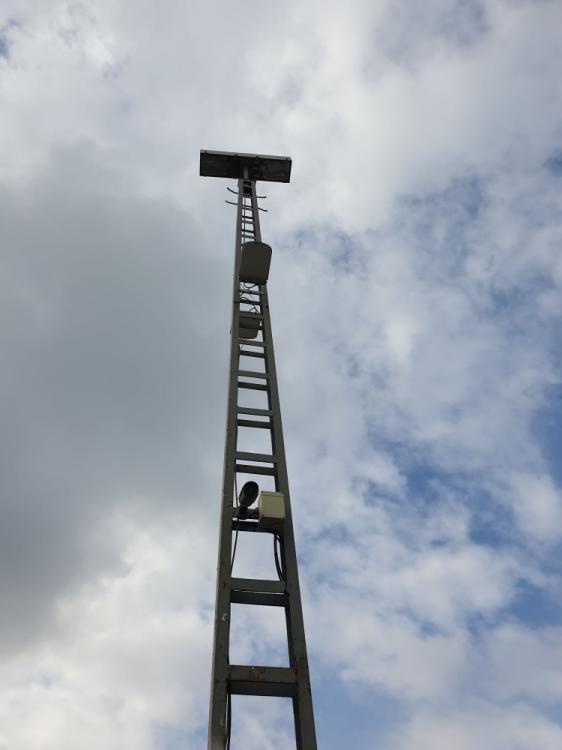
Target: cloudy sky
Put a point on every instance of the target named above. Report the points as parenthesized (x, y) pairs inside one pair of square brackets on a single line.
[(417, 308)]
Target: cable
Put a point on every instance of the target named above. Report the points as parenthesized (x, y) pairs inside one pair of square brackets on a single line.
[(237, 523), (276, 545), (228, 720)]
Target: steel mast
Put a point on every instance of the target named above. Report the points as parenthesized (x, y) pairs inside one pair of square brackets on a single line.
[(251, 342)]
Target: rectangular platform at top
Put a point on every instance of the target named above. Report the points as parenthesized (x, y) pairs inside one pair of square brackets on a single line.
[(232, 165)]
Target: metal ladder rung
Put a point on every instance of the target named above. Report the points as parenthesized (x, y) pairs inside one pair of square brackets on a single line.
[(264, 458), (254, 423), (261, 344), (258, 584), (280, 682), (252, 386), (253, 374), (254, 412), (257, 591), (259, 599), (268, 471), (259, 355)]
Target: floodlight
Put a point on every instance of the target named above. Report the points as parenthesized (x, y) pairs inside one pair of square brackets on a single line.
[(248, 494)]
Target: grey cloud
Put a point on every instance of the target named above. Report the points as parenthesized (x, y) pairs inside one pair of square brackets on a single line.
[(407, 34), (114, 358), (110, 380)]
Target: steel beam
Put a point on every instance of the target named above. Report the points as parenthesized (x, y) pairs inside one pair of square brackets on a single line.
[(273, 681), (227, 680)]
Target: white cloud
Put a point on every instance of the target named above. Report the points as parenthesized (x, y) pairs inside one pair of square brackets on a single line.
[(129, 651), (416, 303), (490, 729), (537, 505), (524, 663)]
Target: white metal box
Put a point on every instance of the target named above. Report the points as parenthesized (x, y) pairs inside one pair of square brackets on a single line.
[(271, 506), (249, 326), (255, 261)]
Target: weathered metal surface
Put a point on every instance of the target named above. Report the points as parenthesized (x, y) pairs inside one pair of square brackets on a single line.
[(270, 681), (236, 166), (292, 681)]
